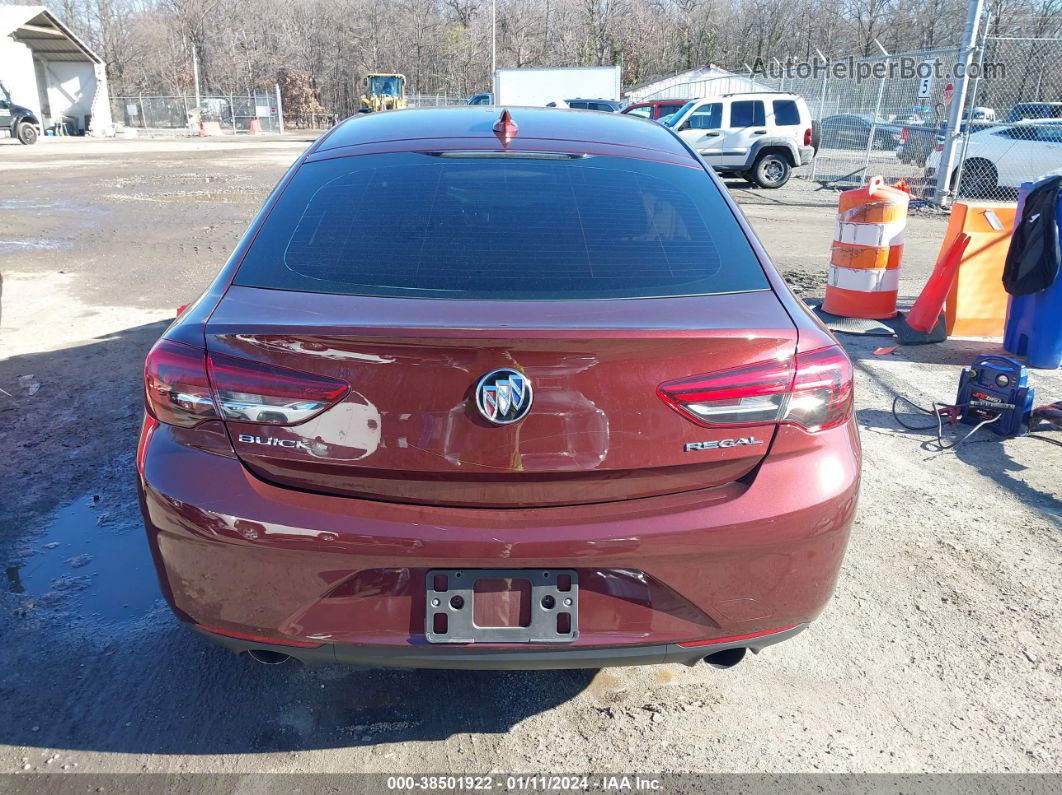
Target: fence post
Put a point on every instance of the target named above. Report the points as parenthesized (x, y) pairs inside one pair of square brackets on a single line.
[(874, 119), (818, 113), (280, 110), (942, 193), (973, 105)]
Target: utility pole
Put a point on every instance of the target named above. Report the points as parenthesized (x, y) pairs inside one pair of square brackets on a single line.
[(195, 73), (493, 38), (943, 194), (280, 111)]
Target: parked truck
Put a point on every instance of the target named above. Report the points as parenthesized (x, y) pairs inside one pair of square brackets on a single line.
[(541, 86), (19, 121)]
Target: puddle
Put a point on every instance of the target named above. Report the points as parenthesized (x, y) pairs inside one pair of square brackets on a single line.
[(10, 246), (89, 565), (27, 204)]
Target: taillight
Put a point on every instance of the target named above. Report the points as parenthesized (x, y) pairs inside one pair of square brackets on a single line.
[(185, 386), (814, 390), (176, 385), (252, 391), (822, 390), (904, 134), (745, 395), (807, 137), (939, 147)]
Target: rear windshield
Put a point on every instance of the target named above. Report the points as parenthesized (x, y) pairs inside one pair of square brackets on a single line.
[(424, 226)]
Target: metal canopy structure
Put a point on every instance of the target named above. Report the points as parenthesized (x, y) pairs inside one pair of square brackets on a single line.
[(38, 29)]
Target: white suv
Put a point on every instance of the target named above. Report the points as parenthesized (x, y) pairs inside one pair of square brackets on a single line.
[(761, 136)]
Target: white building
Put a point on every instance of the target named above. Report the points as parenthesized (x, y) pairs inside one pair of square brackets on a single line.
[(49, 70), (705, 81)]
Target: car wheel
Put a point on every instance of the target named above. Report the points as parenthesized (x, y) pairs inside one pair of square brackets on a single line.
[(27, 133), (979, 178), (772, 170)]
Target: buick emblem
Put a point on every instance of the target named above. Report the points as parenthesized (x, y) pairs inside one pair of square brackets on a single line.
[(504, 396)]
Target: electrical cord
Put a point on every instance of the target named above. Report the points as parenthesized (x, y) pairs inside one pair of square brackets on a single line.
[(940, 411)]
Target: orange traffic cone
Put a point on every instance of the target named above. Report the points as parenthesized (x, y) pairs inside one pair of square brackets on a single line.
[(926, 310), (254, 127)]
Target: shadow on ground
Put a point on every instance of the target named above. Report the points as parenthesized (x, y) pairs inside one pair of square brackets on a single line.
[(80, 672)]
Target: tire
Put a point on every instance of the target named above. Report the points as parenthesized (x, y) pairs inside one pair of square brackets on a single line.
[(26, 133), (816, 136), (979, 178), (771, 170)]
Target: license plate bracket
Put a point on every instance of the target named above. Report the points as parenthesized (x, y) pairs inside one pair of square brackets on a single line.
[(450, 606)]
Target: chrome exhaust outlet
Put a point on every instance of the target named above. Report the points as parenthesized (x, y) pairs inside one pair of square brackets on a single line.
[(268, 657), (727, 658)]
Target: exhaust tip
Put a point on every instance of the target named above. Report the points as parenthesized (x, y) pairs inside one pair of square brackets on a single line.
[(727, 658), (268, 657)]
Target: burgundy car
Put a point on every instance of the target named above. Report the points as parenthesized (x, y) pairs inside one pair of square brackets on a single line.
[(655, 108), (498, 393)]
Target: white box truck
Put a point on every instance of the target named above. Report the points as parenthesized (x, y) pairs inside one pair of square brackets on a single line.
[(540, 86)]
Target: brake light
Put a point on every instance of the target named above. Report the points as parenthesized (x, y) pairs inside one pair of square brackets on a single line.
[(822, 393), (814, 390), (807, 137), (939, 147), (740, 396), (185, 386), (904, 134), (176, 385), (251, 391)]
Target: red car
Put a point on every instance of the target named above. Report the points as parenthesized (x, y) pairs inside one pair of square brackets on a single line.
[(654, 108), (498, 393)]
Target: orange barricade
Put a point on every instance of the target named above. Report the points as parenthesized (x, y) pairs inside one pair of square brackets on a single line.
[(865, 257), (977, 303)]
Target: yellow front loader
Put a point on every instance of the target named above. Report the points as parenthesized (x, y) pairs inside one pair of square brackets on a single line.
[(383, 92)]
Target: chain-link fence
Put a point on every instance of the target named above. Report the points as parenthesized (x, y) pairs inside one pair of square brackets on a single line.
[(888, 115), (215, 115), (1012, 125), (433, 100)]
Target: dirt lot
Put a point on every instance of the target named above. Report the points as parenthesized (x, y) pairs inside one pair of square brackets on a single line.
[(940, 652)]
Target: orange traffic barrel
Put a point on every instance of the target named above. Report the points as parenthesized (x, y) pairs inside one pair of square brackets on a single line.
[(864, 272)]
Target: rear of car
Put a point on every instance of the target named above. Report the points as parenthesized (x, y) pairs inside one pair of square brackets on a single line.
[(760, 136), (655, 109), (604, 105), (514, 400), (1002, 156)]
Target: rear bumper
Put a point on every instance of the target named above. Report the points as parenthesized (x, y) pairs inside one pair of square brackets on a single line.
[(245, 557), (423, 656)]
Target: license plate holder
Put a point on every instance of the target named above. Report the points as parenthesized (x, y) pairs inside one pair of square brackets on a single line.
[(554, 610)]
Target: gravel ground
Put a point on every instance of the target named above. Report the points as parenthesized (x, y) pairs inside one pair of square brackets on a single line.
[(940, 651)]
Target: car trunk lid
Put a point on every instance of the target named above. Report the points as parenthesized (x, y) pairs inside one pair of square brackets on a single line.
[(409, 429)]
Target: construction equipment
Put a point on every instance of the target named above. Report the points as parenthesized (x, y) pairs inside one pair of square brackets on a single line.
[(383, 92)]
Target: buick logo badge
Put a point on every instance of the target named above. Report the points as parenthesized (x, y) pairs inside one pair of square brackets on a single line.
[(504, 396)]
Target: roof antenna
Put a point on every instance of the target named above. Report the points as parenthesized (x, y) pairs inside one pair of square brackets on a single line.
[(505, 128)]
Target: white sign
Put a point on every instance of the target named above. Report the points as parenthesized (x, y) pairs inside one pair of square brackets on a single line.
[(132, 109), (262, 111), (925, 84)]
